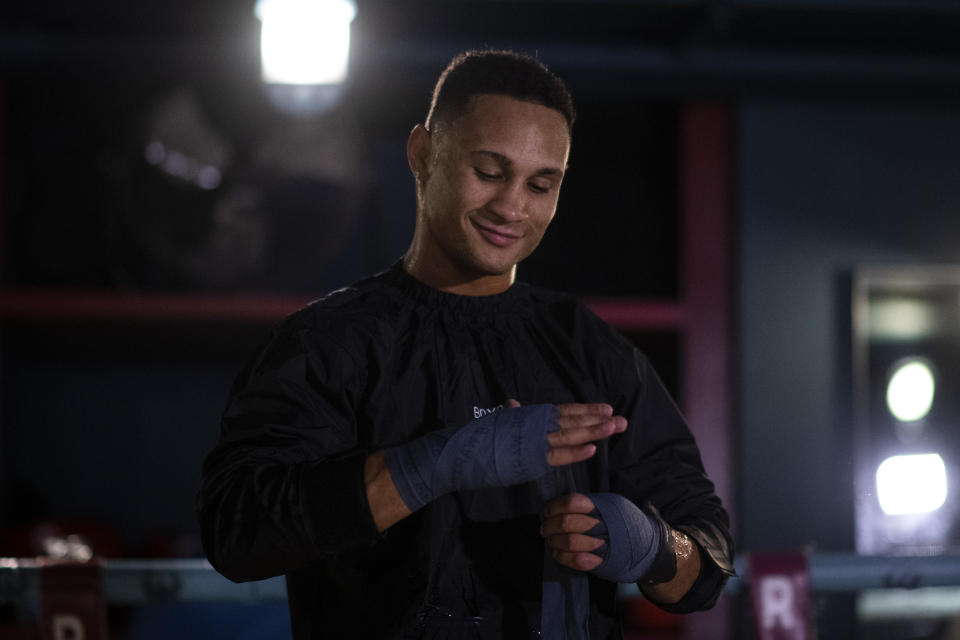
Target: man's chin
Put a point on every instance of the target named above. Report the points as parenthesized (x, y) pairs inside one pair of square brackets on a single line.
[(495, 270)]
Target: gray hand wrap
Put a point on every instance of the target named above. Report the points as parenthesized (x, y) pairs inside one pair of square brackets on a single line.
[(504, 448), (633, 538)]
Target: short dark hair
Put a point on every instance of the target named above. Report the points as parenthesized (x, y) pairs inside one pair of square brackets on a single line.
[(497, 72)]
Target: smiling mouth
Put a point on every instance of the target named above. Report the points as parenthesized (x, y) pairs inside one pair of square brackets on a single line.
[(495, 236)]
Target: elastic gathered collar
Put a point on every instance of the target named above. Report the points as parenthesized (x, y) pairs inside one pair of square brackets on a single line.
[(426, 295)]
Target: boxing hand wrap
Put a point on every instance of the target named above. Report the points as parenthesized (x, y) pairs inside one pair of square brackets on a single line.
[(638, 545), (503, 448)]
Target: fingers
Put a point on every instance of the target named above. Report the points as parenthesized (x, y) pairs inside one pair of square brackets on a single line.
[(565, 521), (569, 455), (580, 427), (565, 525), (577, 409), (579, 430), (574, 543), (572, 503), (575, 549), (582, 561), (581, 424), (595, 418)]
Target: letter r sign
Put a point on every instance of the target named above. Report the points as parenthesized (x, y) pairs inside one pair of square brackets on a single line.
[(71, 601), (779, 586), (67, 626), (776, 594)]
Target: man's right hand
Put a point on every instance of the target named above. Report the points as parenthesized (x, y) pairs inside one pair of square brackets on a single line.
[(511, 446)]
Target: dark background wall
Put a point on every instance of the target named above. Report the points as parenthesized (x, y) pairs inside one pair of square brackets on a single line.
[(847, 123), (825, 187)]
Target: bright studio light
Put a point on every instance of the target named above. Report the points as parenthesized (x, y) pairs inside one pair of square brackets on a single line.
[(912, 484), (305, 42), (910, 390), (902, 319)]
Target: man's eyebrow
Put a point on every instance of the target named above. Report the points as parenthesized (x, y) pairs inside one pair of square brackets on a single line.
[(507, 162)]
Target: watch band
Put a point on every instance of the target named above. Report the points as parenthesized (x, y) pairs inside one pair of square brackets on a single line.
[(664, 566)]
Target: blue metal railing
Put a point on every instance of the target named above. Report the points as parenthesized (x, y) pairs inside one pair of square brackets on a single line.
[(131, 582)]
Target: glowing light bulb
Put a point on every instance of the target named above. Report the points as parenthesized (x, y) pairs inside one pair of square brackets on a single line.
[(910, 390), (912, 484), (305, 42)]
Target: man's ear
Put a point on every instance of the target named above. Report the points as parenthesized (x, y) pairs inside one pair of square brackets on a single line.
[(418, 153)]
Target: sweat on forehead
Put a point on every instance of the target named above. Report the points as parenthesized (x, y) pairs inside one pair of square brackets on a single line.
[(499, 73)]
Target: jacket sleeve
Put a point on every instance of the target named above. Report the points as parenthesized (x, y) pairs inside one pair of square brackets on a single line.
[(284, 486), (656, 461)]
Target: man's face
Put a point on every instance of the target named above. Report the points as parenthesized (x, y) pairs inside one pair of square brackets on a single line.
[(491, 187)]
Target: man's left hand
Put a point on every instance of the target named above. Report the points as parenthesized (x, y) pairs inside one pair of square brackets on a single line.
[(565, 523), (608, 535)]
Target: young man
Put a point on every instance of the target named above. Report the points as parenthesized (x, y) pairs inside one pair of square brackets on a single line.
[(440, 451)]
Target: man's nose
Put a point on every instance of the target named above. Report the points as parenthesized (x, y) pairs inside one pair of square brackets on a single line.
[(510, 201)]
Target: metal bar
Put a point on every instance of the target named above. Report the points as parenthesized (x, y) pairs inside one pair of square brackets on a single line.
[(149, 306), (131, 582), (705, 236), (628, 315), (840, 572), (900, 604), (849, 572), (104, 305)]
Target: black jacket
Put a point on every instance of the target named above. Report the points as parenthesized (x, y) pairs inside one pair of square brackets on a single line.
[(380, 363)]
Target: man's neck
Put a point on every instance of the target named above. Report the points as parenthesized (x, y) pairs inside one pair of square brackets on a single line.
[(451, 280)]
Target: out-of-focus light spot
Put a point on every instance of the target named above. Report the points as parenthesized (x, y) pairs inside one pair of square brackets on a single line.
[(208, 178), (180, 165), (154, 153), (912, 484), (305, 41), (901, 319), (70, 548), (910, 390)]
